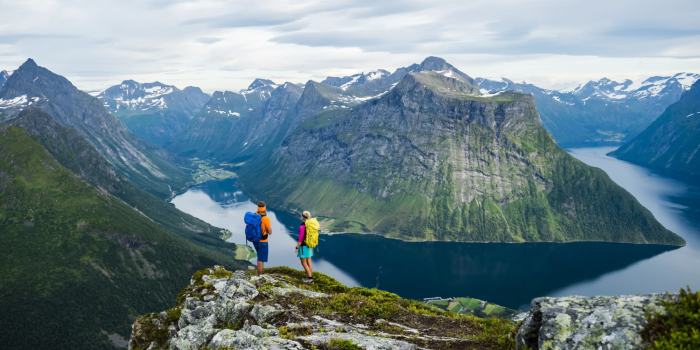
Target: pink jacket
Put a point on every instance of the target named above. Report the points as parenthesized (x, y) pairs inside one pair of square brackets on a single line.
[(302, 233)]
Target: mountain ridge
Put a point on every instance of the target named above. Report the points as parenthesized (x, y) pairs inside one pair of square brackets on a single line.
[(671, 143), (32, 85)]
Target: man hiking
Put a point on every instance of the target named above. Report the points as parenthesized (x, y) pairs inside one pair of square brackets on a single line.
[(261, 246)]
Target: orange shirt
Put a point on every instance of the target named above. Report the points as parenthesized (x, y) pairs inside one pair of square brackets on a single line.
[(266, 226)]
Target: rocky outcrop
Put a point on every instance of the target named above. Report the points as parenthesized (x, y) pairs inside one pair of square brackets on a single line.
[(576, 322), (235, 310)]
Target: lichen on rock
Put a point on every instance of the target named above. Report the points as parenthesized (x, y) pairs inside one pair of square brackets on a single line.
[(220, 309), (574, 322)]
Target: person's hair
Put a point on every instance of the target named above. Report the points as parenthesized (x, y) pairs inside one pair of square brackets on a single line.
[(261, 204), (306, 214)]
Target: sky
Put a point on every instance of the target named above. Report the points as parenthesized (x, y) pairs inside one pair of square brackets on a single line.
[(224, 45)]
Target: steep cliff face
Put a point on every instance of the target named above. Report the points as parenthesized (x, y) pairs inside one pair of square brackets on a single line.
[(234, 125), (433, 160), (670, 144)]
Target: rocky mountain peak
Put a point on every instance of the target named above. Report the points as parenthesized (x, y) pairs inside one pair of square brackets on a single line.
[(28, 64), (33, 80), (434, 63), (193, 89), (438, 83), (258, 83)]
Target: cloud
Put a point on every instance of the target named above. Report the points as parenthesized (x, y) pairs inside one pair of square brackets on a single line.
[(219, 44)]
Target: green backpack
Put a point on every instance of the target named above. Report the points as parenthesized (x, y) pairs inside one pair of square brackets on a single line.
[(312, 227)]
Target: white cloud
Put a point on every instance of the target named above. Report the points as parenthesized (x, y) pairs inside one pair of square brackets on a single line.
[(225, 44)]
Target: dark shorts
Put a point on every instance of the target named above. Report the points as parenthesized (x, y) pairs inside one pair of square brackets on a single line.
[(261, 250)]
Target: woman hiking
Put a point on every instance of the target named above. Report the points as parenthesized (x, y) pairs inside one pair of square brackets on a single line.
[(304, 252)]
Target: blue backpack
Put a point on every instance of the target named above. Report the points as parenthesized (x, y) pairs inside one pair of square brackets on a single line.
[(253, 227)]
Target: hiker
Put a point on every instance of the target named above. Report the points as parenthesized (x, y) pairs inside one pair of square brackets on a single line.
[(261, 246), (308, 240)]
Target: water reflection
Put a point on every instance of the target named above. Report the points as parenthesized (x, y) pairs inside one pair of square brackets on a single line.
[(507, 274)]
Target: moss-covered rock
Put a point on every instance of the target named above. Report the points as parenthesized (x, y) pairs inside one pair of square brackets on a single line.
[(221, 309), (612, 322)]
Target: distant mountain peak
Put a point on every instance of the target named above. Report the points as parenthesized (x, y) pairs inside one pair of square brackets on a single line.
[(259, 82), (431, 62), (131, 96), (29, 63)]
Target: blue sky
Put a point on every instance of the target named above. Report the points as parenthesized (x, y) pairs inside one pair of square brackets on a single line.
[(225, 44)]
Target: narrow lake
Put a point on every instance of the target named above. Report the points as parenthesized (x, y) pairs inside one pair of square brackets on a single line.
[(507, 274)]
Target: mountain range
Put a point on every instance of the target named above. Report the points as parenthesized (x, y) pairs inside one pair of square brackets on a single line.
[(602, 112), (155, 112), (671, 143), (32, 85)]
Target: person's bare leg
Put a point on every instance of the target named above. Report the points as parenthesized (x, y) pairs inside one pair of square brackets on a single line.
[(260, 268), (303, 264), (306, 266), (310, 270)]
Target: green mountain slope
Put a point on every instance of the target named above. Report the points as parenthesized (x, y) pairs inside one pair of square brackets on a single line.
[(148, 167), (77, 264), (670, 144), (75, 153), (433, 160)]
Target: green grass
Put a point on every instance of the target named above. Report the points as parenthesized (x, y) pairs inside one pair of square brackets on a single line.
[(366, 306), (341, 344), (75, 261), (678, 327)]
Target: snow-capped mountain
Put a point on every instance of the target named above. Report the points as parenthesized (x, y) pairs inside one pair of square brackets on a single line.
[(234, 104), (670, 144), (347, 82), (650, 88), (131, 97), (603, 111), (155, 112), (347, 91), (236, 122)]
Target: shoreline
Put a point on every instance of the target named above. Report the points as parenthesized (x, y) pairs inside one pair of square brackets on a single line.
[(480, 242)]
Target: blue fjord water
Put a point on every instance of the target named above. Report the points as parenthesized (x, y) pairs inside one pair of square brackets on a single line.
[(507, 274)]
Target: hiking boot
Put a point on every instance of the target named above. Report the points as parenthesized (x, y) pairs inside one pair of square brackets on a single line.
[(308, 280)]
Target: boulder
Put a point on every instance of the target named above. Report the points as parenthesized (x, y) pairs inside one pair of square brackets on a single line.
[(575, 322)]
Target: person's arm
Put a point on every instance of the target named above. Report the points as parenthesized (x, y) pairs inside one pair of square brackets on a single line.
[(302, 235)]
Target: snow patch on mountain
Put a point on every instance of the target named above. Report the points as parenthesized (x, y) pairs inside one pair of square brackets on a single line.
[(18, 101)]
